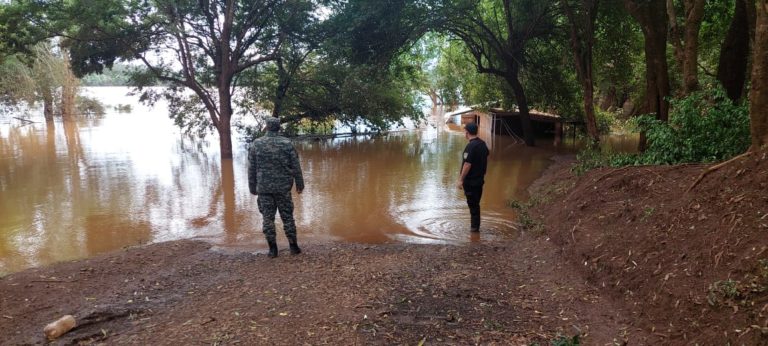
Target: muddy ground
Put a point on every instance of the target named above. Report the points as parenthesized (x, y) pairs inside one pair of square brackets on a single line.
[(631, 255), (516, 292)]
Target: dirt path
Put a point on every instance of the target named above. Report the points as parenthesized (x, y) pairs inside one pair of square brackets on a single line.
[(517, 292)]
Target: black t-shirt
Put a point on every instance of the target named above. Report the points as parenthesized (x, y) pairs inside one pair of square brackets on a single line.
[(476, 154)]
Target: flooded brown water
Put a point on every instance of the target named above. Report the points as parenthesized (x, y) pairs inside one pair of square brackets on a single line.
[(72, 190)]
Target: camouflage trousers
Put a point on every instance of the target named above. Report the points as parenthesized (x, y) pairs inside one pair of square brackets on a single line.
[(269, 204)]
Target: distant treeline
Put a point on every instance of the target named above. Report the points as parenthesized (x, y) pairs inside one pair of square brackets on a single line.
[(118, 75)]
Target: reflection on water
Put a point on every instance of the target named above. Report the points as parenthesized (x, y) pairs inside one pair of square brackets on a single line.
[(77, 189)]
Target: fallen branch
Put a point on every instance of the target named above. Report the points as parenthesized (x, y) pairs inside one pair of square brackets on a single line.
[(25, 120), (714, 168)]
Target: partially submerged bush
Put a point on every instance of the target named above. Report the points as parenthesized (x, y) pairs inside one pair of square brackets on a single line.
[(90, 107)]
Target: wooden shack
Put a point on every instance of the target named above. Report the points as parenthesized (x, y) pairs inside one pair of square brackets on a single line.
[(507, 123)]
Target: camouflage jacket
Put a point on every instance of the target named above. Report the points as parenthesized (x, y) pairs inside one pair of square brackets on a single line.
[(273, 165)]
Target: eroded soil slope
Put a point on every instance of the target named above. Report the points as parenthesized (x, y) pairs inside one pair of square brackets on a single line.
[(690, 262)]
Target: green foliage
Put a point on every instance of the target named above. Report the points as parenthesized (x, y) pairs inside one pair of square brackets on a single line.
[(591, 158), (714, 27), (542, 196), (706, 126), (605, 121), (524, 217), (325, 90), (550, 81), (117, 75), (31, 77), (185, 109), (17, 83), (563, 341), (703, 127), (90, 107), (123, 108), (618, 51)]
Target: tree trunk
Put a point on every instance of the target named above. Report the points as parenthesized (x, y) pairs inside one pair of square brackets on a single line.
[(675, 35), (734, 53), (283, 81), (225, 118), (228, 192), (686, 41), (651, 16), (694, 14), (433, 97), (657, 73), (758, 98), (69, 88), (589, 111), (47, 104), (522, 105), (581, 46), (68, 96)]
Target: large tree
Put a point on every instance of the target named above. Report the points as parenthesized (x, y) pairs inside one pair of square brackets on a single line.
[(202, 46), (758, 97), (582, 16), (734, 52), (685, 39), (497, 34), (651, 15)]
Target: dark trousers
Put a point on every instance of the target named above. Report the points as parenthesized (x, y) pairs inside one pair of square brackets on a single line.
[(474, 191), (271, 203)]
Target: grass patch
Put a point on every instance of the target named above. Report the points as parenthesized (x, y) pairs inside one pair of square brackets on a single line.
[(528, 222), (546, 195), (563, 341), (740, 292), (647, 213)]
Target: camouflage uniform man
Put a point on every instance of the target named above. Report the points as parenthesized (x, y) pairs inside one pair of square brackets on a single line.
[(273, 168)]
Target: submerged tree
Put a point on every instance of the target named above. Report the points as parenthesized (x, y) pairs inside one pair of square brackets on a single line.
[(202, 46), (42, 75), (497, 34)]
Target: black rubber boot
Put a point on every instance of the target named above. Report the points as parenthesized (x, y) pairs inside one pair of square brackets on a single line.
[(272, 249), (295, 250)]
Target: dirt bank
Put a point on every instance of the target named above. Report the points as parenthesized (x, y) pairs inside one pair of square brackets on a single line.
[(690, 262), (184, 292)]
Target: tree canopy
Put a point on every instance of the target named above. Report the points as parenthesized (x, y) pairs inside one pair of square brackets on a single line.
[(374, 61)]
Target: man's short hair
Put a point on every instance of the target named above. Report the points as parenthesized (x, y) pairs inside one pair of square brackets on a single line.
[(471, 128), (273, 124)]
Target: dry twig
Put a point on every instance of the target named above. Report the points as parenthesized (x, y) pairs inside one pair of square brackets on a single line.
[(714, 168)]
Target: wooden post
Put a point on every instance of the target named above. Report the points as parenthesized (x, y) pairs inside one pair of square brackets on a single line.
[(558, 133)]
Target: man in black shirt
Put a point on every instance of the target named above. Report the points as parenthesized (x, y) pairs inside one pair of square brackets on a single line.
[(474, 164)]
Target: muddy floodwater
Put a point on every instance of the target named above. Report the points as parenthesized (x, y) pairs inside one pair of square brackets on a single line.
[(72, 190)]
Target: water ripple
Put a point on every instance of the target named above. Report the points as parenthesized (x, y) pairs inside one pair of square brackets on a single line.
[(451, 226)]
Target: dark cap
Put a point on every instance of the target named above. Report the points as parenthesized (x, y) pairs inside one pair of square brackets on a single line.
[(471, 128), (273, 124)]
